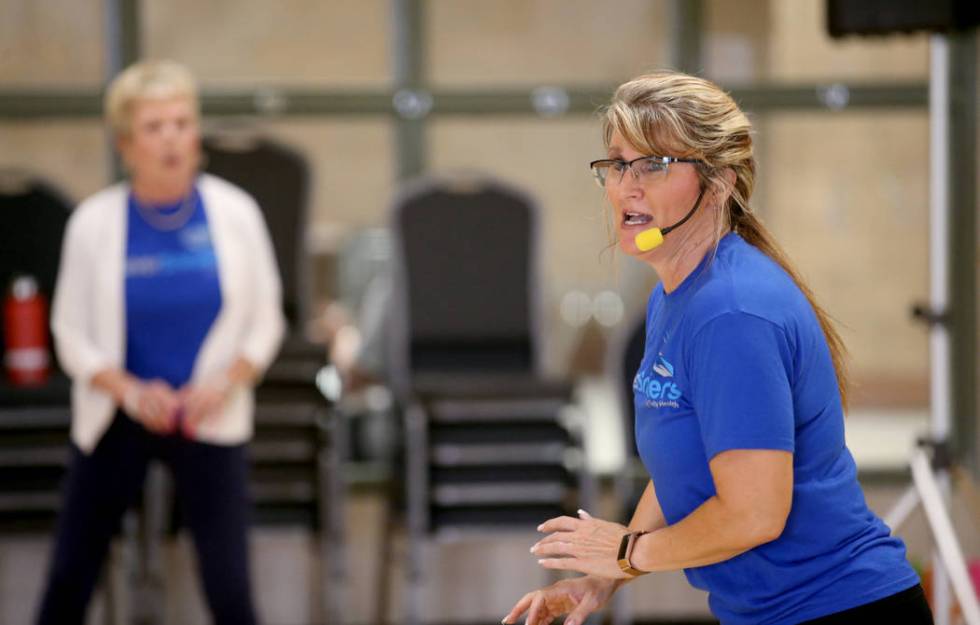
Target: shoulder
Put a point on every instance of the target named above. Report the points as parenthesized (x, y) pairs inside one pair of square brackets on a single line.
[(742, 280), (229, 202), (218, 189), (98, 209)]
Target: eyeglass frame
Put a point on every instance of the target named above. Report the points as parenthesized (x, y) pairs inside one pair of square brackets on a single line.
[(665, 160)]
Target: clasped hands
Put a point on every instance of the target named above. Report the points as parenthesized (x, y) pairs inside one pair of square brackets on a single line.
[(582, 544), (162, 409)]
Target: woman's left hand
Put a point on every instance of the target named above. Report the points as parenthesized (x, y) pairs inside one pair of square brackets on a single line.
[(585, 544), (201, 401)]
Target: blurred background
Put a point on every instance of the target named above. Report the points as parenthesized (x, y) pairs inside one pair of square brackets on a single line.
[(372, 94)]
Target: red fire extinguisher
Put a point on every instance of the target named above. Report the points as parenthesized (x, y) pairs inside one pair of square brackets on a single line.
[(25, 333)]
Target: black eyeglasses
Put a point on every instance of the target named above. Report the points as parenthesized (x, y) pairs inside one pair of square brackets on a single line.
[(645, 168)]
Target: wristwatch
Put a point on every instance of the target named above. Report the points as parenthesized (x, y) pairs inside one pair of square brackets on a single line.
[(626, 552)]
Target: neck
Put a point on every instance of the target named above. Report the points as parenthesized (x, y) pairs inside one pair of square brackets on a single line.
[(676, 264), (161, 192)]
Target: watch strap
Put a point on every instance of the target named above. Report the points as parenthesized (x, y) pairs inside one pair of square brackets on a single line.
[(626, 545)]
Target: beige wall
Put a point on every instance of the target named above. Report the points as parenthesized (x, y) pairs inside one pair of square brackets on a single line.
[(522, 42), (244, 43), (800, 49), (70, 154), (352, 163), (846, 193), (847, 196), (51, 43)]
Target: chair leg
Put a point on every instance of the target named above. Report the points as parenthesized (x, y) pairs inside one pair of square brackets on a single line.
[(418, 507), (110, 590), (383, 576), (331, 510), (148, 603)]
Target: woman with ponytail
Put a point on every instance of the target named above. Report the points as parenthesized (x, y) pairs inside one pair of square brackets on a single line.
[(739, 398)]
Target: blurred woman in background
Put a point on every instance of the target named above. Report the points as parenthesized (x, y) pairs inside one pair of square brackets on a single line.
[(166, 311), (739, 398)]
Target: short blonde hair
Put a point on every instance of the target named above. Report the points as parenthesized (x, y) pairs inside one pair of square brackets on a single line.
[(146, 80)]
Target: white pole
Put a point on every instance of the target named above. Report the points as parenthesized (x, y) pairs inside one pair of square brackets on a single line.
[(947, 547), (938, 287)]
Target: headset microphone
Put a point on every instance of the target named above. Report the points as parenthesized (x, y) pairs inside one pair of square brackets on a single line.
[(653, 237)]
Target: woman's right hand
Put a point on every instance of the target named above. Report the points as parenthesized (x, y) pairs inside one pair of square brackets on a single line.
[(154, 404), (576, 597)]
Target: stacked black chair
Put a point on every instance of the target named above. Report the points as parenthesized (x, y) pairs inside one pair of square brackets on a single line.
[(34, 421), (487, 439), (300, 444)]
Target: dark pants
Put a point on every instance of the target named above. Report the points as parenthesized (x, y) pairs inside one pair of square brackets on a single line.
[(211, 484), (908, 607)]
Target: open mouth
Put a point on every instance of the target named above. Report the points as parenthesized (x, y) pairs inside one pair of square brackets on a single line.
[(636, 219)]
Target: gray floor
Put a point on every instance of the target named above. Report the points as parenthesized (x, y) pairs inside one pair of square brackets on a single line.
[(474, 581)]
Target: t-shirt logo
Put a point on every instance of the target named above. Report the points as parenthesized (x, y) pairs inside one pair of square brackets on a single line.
[(658, 393), (664, 368)]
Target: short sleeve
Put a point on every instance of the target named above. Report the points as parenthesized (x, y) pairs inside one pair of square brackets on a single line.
[(740, 376)]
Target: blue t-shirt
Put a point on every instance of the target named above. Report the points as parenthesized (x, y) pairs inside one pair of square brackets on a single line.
[(735, 358), (173, 293)]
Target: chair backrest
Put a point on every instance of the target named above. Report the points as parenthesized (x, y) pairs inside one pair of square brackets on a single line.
[(465, 280), (33, 215), (278, 178)]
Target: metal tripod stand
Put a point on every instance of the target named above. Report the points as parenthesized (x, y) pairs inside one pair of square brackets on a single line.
[(927, 475), (930, 475)]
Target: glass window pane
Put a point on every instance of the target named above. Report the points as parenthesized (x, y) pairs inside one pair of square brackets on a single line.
[(71, 155), (759, 40), (847, 196), (294, 42), (473, 43), (56, 43)]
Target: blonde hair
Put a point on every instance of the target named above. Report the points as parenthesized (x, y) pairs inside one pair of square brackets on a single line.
[(146, 80), (670, 113)]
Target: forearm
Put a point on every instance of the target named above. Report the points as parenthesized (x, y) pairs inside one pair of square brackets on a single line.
[(648, 516), (712, 533), (241, 373), (115, 382)]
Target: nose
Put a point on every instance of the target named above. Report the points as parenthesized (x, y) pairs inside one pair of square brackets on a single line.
[(629, 183)]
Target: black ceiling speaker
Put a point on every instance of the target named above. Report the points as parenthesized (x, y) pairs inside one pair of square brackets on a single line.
[(883, 17)]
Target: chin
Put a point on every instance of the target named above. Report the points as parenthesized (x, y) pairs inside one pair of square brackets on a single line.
[(628, 246)]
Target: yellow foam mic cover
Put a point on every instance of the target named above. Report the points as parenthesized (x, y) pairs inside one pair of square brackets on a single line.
[(649, 239)]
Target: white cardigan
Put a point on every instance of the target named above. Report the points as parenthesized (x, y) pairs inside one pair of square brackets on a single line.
[(88, 311)]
